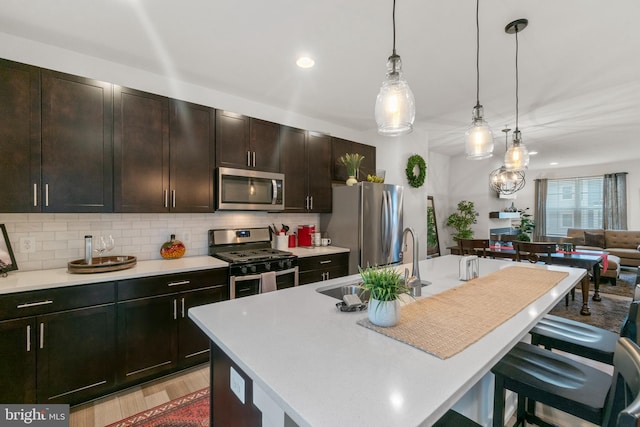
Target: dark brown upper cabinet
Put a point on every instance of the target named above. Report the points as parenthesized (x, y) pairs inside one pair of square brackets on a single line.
[(141, 151), (306, 163), (76, 143), (20, 136), (246, 143), (343, 146)]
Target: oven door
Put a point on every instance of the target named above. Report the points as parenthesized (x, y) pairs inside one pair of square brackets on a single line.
[(240, 189), (243, 286)]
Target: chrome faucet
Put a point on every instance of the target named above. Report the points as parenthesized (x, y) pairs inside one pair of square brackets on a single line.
[(414, 283)]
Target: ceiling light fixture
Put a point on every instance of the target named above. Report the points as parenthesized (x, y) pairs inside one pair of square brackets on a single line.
[(504, 181), (517, 156), (395, 108), (478, 139), (305, 62)]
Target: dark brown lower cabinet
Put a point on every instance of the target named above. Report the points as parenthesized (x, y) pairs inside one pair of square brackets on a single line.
[(323, 267), (155, 334), (18, 366)]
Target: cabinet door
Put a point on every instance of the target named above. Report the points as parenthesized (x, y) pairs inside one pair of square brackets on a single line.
[(232, 140), (147, 337), (76, 354), (192, 147), (265, 146), (368, 165), (77, 145), (141, 148), (319, 172), (18, 367), (20, 136), (294, 166), (193, 343)]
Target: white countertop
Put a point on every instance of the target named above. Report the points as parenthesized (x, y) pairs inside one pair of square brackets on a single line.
[(20, 281), (323, 369)]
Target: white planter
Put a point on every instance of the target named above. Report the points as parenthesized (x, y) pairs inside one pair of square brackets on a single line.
[(351, 181), (384, 313)]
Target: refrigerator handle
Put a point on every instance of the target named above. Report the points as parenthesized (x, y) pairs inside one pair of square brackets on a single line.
[(385, 225)]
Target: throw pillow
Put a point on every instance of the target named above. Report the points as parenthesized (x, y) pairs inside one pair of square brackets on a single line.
[(594, 239)]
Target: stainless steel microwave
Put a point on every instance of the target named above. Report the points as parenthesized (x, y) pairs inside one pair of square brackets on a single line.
[(249, 190)]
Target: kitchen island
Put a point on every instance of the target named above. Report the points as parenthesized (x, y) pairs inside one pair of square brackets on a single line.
[(298, 360)]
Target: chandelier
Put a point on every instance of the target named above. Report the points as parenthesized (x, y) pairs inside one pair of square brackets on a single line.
[(504, 181)]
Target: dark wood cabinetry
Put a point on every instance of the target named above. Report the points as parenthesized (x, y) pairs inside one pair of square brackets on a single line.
[(20, 136), (342, 146), (59, 344), (323, 267), (306, 163), (77, 144), (155, 336), (246, 143)]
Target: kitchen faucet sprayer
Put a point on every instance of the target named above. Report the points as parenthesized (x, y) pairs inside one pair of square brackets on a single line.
[(414, 283)]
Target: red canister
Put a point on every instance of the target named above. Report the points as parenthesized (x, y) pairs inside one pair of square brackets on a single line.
[(292, 240), (305, 235)]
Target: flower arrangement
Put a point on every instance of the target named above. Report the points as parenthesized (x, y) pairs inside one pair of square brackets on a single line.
[(352, 162)]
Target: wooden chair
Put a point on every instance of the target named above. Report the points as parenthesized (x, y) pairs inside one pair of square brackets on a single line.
[(473, 247), (569, 386), (532, 251)]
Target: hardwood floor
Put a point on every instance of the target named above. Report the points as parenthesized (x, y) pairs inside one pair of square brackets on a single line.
[(117, 406)]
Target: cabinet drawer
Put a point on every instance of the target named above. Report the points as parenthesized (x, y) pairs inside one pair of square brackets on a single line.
[(322, 274), (323, 261), (170, 283), (44, 301)]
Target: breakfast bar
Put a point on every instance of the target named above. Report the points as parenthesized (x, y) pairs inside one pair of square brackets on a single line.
[(291, 358)]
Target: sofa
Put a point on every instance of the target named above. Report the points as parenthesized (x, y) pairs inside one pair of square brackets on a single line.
[(623, 244)]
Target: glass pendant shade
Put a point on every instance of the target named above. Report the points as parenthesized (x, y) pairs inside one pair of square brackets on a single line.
[(395, 109), (517, 156), (478, 137)]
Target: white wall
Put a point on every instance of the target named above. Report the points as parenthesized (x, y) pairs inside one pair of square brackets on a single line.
[(58, 247)]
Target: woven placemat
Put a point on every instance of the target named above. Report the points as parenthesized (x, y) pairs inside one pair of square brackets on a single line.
[(447, 323)]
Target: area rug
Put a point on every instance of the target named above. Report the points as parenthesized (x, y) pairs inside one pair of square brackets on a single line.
[(191, 410)]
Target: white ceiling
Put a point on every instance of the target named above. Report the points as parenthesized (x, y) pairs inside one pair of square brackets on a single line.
[(579, 60)]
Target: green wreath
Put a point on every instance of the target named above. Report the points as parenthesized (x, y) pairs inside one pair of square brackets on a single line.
[(416, 160)]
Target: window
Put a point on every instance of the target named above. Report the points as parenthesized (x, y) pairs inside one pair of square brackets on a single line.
[(573, 203)]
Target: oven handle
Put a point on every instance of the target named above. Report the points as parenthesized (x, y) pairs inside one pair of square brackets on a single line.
[(235, 279)]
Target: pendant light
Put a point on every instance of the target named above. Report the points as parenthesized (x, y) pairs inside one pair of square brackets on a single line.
[(478, 139), (395, 108), (505, 181), (517, 155)]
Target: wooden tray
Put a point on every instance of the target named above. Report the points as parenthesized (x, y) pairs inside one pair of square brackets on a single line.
[(102, 265)]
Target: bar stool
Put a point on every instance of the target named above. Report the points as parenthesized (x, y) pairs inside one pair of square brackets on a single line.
[(455, 419)]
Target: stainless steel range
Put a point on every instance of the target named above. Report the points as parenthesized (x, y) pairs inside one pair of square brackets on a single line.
[(249, 254)]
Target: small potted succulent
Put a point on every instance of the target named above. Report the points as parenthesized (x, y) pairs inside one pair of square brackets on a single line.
[(385, 286), (352, 163)]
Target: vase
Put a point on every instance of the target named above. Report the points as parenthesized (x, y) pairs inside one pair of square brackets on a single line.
[(352, 180), (384, 313)]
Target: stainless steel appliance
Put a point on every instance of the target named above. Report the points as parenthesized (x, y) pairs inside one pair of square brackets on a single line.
[(249, 254), (367, 219), (251, 190)]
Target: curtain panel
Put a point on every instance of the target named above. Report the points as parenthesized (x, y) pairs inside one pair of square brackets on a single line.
[(614, 203), (540, 212)]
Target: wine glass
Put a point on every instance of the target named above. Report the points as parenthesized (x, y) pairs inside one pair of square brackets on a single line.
[(100, 246), (109, 243)]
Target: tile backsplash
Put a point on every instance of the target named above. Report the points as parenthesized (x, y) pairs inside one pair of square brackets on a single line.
[(59, 238)]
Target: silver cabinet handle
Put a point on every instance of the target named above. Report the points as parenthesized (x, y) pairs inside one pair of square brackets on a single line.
[(34, 304), (327, 273), (41, 334), (181, 282), (173, 198), (254, 159), (326, 262), (165, 195), (175, 309), (311, 208), (46, 195), (248, 158), (182, 307), (28, 338), (35, 194)]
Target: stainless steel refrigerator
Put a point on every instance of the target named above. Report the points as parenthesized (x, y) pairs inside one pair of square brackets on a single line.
[(367, 219)]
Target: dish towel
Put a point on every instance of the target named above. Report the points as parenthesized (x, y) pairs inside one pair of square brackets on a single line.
[(268, 282)]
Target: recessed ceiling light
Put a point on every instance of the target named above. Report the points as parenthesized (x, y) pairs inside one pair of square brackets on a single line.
[(554, 163), (533, 153), (305, 62)]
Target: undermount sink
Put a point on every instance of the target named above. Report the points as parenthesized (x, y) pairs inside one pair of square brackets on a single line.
[(353, 288)]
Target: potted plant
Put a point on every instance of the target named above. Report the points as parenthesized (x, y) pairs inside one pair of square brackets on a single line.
[(462, 220), (352, 162), (526, 226), (385, 286)]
